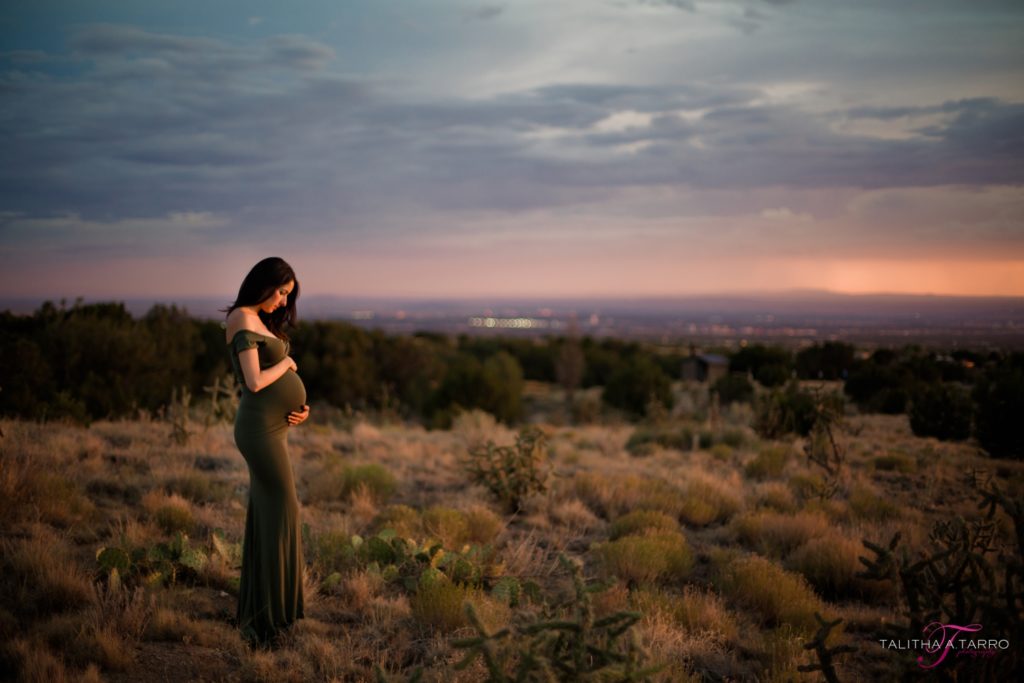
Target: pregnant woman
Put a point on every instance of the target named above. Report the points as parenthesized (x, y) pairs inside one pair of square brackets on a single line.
[(273, 399)]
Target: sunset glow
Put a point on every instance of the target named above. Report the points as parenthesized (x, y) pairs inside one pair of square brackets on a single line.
[(575, 148)]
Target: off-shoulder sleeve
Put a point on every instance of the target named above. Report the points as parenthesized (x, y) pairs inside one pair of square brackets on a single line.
[(244, 339)]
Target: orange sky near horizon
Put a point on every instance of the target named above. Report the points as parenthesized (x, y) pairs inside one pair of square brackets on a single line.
[(380, 275)]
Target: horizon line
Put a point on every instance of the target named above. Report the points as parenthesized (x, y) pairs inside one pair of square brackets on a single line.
[(795, 291)]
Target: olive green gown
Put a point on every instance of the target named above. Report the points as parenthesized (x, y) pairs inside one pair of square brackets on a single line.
[(270, 592)]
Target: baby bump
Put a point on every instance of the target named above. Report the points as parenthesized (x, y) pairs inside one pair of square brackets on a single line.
[(270, 406)]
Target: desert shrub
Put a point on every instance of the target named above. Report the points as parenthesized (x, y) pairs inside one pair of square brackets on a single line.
[(776, 496), (567, 637), (866, 504), (174, 518), (445, 525), (402, 518), (642, 521), (482, 525), (768, 463), (807, 486), (894, 461), (733, 388), (831, 564), (734, 438), (648, 558), (697, 611), (790, 410), (941, 410), (511, 473), (643, 439), (707, 501), (439, 603), (337, 481), (331, 551), (776, 534), (58, 500), (613, 496), (474, 427), (778, 596), (999, 397), (722, 452)]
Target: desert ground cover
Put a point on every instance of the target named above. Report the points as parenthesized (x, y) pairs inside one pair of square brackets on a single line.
[(120, 545)]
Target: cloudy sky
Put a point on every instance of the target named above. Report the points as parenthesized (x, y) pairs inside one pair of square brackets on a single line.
[(528, 147)]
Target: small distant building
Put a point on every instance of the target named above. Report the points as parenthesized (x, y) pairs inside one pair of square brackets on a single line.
[(704, 367)]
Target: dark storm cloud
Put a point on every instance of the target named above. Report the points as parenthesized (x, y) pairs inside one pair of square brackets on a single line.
[(156, 124), (686, 5), (485, 12)]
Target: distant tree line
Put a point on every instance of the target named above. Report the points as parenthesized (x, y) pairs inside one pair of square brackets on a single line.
[(946, 395), (92, 361)]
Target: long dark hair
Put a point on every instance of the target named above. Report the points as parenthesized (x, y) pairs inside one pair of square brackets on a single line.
[(259, 285)]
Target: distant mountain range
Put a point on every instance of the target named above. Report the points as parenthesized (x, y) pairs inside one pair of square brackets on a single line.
[(796, 316)]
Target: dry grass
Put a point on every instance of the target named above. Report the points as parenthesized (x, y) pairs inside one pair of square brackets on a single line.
[(777, 534), (612, 496), (170, 512), (830, 563), (867, 504), (125, 483), (709, 499), (695, 610), (775, 496), (769, 462), (336, 481), (440, 604), (573, 515), (41, 575)]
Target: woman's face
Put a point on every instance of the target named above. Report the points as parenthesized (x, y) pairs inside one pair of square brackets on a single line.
[(278, 298)]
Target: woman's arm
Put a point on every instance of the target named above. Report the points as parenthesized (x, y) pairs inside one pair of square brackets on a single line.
[(257, 379)]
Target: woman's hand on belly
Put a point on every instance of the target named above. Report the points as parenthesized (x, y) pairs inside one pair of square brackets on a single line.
[(298, 417)]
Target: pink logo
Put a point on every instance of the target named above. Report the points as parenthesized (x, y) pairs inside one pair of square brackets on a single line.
[(940, 637)]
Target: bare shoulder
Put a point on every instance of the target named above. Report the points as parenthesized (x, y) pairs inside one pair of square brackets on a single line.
[(238, 320)]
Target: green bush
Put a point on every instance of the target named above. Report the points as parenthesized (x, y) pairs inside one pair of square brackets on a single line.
[(733, 388), (773, 375), (633, 385), (941, 410), (792, 410), (999, 399)]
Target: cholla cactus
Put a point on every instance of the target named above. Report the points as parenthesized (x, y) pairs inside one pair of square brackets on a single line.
[(826, 655), (511, 472), (564, 643), (178, 415), (956, 580)]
